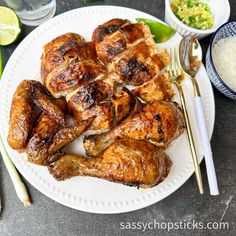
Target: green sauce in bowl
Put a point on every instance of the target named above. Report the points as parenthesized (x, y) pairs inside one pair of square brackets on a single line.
[(193, 13)]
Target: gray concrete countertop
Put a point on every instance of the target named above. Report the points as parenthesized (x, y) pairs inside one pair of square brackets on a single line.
[(46, 217)]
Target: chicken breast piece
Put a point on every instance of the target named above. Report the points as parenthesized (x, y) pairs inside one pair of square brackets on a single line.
[(131, 162), (108, 28), (58, 50), (108, 45), (71, 74), (138, 64), (158, 89)]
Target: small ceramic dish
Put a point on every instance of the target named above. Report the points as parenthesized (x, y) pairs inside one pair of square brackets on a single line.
[(226, 30), (220, 11)]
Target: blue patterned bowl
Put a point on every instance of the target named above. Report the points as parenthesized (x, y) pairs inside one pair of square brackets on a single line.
[(226, 30)]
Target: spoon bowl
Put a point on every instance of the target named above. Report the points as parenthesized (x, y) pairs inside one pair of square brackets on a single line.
[(190, 55)]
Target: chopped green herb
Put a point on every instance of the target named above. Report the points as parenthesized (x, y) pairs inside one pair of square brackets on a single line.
[(194, 13)]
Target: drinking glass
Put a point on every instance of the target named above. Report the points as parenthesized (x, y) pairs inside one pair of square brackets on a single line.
[(33, 12)]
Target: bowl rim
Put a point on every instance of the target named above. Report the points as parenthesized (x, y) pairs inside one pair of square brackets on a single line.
[(194, 30), (211, 58)]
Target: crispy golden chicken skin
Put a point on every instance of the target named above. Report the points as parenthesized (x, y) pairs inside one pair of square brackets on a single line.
[(131, 162), (108, 28), (28, 94), (58, 50), (157, 123), (89, 95)]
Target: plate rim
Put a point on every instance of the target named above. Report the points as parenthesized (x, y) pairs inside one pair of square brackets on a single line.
[(38, 186)]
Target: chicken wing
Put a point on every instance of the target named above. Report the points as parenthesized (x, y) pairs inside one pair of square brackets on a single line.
[(21, 117), (68, 135), (58, 50), (48, 137), (46, 102), (157, 123), (28, 94), (131, 162), (42, 135)]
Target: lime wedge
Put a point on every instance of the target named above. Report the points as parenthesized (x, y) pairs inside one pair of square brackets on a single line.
[(9, 26), (161, 31), (0, 63)]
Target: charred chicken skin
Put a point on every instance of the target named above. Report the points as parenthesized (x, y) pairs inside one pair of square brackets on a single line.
[(126, 161), (157, 123)]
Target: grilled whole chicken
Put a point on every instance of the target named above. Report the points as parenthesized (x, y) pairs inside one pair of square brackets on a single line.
[(129, 55), (28, 94), (158, 89), (157, 123), (127, 161), (85, 79)]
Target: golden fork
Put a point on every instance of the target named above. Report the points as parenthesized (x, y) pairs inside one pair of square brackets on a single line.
[(176, 76)]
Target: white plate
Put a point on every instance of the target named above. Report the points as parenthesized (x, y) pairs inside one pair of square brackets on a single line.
[(86, 193)]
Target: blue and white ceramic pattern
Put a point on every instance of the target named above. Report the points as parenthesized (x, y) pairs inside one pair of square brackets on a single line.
[(226, 30)]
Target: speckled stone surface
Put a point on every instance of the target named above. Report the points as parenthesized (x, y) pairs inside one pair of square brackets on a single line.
[(46, 217)]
